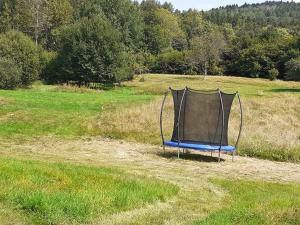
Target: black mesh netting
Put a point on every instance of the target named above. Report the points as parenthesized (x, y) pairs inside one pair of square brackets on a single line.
[(201, 117)]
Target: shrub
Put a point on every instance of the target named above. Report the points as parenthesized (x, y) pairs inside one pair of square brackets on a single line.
[(216, 70), (10, 74), (45, 58), (91, 51), (171, 61), (22, 50), (142, 62), (293, 69), (48, 66), (273, 74)]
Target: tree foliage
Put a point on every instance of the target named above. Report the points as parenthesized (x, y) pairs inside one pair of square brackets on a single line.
[(90, 51), (205, 51), (293, 71), (106, 40), (171, 62), (123, 15), (22, 50), (162, 29), (36, 18), (10, 74), (250, 17)]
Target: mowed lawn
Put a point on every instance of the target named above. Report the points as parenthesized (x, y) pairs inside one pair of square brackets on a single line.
[(39, 192)]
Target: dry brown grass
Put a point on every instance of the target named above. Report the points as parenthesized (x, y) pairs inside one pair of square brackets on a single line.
[(248, 87), (271, 127), (139, 123), (9, 216)]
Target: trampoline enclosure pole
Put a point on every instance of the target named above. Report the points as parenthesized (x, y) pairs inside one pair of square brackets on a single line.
[(223, 122), (241, 122), (161, 118), (178, 122)]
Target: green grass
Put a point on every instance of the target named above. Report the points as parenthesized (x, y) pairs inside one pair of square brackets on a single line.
[(50, 110), (257, 203), (57, 193), (68, 112), (248, 87)]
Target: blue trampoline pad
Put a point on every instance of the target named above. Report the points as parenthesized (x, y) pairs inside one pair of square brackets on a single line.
[(199, 146)]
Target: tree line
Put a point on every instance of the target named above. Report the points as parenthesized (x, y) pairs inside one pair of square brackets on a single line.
[(105, 41)]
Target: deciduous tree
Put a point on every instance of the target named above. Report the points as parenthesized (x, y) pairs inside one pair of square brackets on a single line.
[(205, 51)]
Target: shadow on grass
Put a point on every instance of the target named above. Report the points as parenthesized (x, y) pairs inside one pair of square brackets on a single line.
[(104, 86), (286, 90), (191, 157)]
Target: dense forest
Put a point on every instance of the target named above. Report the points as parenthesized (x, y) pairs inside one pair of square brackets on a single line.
[(104, 41)]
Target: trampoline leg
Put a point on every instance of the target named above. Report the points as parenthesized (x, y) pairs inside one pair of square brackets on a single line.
[(178, 153), (164, 148), (233, 156), (219, 160), (211, 153)]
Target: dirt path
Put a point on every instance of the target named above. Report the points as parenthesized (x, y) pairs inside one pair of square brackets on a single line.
[(198, 196), (133, 155)]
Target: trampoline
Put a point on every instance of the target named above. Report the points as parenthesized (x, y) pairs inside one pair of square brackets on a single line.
[(201, 120)]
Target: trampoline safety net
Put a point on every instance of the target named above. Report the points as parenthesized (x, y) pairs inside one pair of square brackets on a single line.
[(199, 117)]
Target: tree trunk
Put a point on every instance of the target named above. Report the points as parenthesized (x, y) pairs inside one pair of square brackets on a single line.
[(37, 24), (205, 70)]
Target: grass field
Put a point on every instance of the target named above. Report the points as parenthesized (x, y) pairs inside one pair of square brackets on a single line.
[(54, 124), (266, 203), (60, 111), (63, 193), (272, 118), (271, 114)]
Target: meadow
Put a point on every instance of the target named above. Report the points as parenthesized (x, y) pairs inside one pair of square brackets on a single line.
[(271, 114), (56, 168)]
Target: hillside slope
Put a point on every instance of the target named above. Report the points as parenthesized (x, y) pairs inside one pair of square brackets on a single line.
[(278, 14)]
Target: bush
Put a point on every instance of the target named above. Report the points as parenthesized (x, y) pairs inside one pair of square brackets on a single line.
[(142, 62), (48, 66), (273, 74), (91, 51), (216, 70), (171, 61), (10, 74), (22, 50), (45, 58), (293, 69)]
